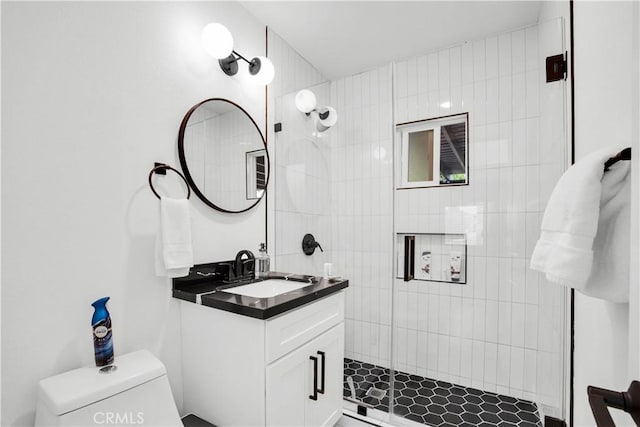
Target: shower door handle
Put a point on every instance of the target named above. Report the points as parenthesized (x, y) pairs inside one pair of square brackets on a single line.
[(322, 365), (409, 257), (314, 396)]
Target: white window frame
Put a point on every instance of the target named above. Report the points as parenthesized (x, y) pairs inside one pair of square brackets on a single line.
[(402, 134)]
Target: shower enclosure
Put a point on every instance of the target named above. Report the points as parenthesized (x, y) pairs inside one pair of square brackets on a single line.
[(445, 322)]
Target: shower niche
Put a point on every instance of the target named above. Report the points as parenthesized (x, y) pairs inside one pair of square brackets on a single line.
[(433, 257)]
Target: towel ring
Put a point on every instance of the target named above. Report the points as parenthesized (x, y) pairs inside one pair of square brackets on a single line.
[(165, 167)]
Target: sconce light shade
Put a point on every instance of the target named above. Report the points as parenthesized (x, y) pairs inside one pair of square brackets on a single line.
[(217, 40), (327, 117), (305, 101), (262, 68)]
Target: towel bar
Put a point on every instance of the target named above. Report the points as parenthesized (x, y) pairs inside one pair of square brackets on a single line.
[(623, 155), (159, 168)]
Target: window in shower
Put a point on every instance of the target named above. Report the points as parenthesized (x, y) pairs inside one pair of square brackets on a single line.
[(433, 152)]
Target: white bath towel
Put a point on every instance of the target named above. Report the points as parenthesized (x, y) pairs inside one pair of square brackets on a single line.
[(174, 251), (583, 204)]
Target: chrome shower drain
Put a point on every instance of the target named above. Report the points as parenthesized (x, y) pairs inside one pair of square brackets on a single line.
[(376, 393)]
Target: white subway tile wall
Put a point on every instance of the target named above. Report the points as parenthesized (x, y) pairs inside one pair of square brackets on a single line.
[(502, 331)]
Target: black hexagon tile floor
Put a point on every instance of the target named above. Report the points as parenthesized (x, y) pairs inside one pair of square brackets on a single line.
[(436, 403)]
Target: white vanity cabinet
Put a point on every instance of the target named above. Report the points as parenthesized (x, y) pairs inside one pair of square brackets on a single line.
[(283, 371)]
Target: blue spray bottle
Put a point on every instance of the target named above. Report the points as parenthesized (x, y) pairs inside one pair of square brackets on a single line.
[(102, 341)]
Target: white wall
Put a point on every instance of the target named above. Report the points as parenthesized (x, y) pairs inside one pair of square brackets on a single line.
[(93, 94), (606, 107)]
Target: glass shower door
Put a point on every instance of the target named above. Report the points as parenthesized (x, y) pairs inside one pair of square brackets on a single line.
[(338, 185), (362, 189), (478, 336)]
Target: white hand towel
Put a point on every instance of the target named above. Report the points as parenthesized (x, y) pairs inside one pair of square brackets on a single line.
[(174, 251), (570, 222)]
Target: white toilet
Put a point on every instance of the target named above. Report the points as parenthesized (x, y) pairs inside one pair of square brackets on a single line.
[(137, 393)]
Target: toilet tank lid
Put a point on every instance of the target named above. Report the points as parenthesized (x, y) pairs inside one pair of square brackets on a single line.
[(81, 387)]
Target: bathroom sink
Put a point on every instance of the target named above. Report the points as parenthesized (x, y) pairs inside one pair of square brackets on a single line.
[(267, 288)]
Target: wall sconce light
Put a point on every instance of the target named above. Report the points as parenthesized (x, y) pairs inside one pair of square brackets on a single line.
[(218, 42), (325, 116)]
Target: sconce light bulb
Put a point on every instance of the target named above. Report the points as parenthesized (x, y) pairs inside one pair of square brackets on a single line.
[(217, 40), (305, 101), (262, 68)]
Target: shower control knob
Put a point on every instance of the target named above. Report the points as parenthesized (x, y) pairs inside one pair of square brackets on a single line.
[(309, 244)]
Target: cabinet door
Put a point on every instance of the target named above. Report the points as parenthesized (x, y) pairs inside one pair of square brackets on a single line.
[(327, 409), (290, 383)]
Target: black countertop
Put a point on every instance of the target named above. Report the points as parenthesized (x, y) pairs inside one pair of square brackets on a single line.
[(210, 293)]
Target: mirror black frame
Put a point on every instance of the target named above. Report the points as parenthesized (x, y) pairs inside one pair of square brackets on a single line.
[(183, 159)]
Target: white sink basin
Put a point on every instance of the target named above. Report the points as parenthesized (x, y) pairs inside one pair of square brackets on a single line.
[(267, 288)]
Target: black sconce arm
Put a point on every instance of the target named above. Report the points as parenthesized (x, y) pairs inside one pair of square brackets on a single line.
[(241, 57)]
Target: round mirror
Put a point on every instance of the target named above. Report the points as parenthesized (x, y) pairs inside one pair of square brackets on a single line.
[(223, 155)]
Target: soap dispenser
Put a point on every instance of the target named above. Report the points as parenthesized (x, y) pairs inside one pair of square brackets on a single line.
[(262, 261)]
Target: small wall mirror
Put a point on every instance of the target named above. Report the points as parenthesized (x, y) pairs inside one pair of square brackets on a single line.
[(223, 155)]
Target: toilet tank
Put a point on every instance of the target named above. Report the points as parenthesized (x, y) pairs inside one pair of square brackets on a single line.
[(137, 393)]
